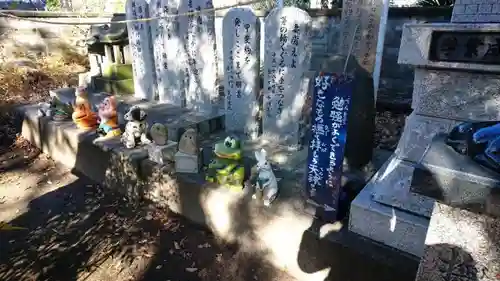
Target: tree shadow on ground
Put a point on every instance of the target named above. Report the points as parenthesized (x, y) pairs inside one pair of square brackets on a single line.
[(79, 232)]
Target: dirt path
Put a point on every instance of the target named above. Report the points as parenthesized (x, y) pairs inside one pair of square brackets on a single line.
[(76, 232)]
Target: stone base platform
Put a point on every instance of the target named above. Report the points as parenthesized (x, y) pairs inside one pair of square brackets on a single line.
[(382, 222), (279, 231)]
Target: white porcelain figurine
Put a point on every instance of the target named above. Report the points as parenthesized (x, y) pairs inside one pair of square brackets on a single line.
[(266, 183)]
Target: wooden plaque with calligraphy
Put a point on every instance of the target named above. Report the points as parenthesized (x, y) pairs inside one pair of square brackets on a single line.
[(466, 47), (331, 104)]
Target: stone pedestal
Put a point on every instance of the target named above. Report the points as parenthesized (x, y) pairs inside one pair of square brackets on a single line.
[(162, 153), (447, 90), (187, 163)]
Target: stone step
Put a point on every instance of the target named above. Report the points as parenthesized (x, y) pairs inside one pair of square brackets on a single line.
[(456, 179), (388, 225), (392, 187)]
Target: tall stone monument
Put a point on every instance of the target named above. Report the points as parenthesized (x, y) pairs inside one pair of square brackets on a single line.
[(197, 32), (360, 20), (241, 49), (141, 49), (287, 59), (169, 52), (447, 90)]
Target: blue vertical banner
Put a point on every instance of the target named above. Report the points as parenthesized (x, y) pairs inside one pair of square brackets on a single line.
[(330, 108)]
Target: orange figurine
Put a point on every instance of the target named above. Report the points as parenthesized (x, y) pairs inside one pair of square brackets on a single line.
[(82, 115)]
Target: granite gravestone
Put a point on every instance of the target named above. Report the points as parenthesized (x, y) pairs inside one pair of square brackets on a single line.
[(139, 36), (241, 49), (197, 32), (440, 98), (287, 59), (465, 11), (169, 52), (360, 20)]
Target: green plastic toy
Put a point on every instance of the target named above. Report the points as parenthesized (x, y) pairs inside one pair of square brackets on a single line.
[(227, 166)]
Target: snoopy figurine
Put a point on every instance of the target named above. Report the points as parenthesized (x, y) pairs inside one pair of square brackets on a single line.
[(266, 187), (136, 128)]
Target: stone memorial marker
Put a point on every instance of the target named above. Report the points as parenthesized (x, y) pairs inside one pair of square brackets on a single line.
[(365, 15), (169, 52), (456, 79), (360, 27), (486, 11), (287, 59), (241, 49), (139, 35), (198, 34)]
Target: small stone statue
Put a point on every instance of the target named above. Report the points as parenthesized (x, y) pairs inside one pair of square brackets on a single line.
[(161, 150), (478, 140), (83, 116), (227, 167), (108, 118), (159, 134), (187, 159), (266, 183), (136, 128), (189, 142)]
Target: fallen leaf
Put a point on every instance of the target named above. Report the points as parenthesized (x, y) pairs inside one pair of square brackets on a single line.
[(176, 245), (206, 245), (158, 267), (191, 269)]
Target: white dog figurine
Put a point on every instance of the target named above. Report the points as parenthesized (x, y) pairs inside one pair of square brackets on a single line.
[(267, 184), (136, 128)]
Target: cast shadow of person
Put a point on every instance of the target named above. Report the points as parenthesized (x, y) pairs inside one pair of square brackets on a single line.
[(440, 262), (318, 252)]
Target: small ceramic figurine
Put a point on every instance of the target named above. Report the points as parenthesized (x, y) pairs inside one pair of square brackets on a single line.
[(187, 158), (108, 118), (82, 115), (189, 142), (227, 166), (159, 134), (266, 185), (136, 128)]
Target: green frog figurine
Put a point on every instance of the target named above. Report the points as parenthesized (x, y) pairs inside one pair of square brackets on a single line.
[(60, 111), (227, 167)]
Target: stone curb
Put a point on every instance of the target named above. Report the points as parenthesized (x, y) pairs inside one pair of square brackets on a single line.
[(277, 231)]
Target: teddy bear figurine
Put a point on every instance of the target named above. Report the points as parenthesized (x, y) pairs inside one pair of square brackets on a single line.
[(136, 128)]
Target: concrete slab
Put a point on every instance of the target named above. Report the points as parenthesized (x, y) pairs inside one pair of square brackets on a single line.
[(393, 227), (278, 231)]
